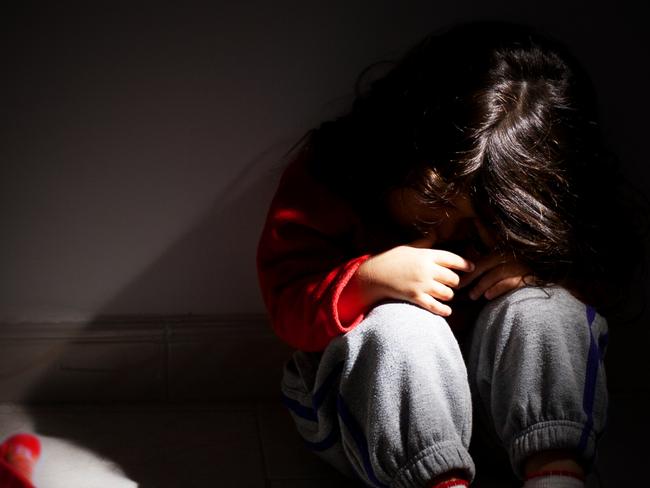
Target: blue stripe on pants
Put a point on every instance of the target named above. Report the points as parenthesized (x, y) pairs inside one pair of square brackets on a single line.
[(331, 439), (311, 414), (589, 394), (299, 409)]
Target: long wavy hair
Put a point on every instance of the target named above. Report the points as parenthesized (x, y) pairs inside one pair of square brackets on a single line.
[(507, 116)]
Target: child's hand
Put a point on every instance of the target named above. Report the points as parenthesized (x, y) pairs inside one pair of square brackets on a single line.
[(415, 273), (498, 274)]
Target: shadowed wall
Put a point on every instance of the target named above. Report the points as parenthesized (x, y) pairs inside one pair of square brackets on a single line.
[(140, 146)]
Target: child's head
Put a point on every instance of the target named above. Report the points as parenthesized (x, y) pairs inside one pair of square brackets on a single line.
[(495, 112)]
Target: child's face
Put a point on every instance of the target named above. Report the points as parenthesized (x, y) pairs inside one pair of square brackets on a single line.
[(456, 224)]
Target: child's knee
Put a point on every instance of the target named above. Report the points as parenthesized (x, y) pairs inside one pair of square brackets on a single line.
[(404, 329), (539, 316)]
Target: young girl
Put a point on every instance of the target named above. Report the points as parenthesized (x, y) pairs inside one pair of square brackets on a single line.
[(446, 252)]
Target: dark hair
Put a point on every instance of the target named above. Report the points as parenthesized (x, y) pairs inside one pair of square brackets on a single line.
[(508, 116)]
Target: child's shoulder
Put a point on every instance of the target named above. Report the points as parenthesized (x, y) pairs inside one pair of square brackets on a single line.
[(299, 193)]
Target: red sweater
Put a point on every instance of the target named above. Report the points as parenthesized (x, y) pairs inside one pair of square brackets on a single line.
[(311, 245)]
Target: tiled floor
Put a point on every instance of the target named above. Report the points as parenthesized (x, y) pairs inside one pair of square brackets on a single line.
[(223, 445)]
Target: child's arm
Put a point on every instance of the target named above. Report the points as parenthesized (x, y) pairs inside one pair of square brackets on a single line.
[(496, 275), (303, 261), (414, 273), (313, 285)]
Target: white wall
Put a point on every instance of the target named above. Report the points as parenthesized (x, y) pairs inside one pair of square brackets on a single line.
[(139, 147)]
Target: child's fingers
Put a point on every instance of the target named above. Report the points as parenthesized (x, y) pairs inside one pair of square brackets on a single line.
[(451, 260), (488, 280), (443, 258), (510, 275), (446, 276), (439, 291), (504, 286), (481, 267), (432, 305)]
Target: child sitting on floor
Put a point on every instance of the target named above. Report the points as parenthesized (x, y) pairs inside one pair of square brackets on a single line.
[(443, 258)]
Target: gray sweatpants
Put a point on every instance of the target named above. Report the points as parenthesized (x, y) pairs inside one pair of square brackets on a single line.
[(392, 401)]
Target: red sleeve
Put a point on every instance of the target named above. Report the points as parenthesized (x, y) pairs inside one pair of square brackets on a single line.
[(304, 260)]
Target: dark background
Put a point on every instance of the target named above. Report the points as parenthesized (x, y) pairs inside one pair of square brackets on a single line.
[(140, 143)]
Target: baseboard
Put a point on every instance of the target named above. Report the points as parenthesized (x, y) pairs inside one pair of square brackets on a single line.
[(141, 358), (155, 358)]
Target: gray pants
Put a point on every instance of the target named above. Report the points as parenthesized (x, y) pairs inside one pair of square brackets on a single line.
[(392, 401)]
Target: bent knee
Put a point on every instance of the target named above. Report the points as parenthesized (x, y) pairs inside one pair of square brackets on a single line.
[(401, 327), (538, 312), (397, 319)]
